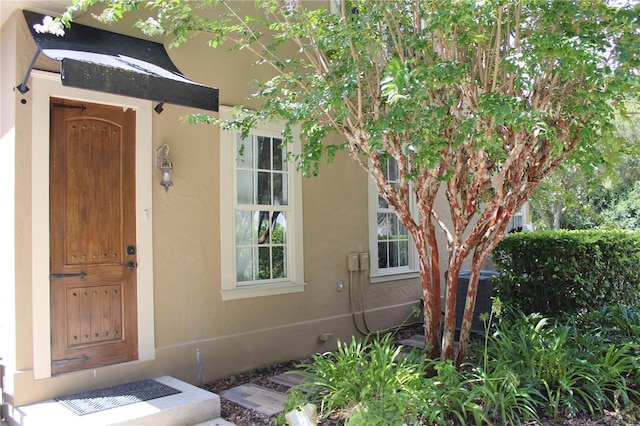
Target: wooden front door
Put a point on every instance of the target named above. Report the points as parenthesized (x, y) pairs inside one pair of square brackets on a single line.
[(93, 235)]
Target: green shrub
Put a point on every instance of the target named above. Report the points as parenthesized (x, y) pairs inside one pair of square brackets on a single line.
[(565, 272), (370, 382), (361, 373), (387, 410), (614, 325), (504, 394), (572, 371), (448, 396), (526, 366)]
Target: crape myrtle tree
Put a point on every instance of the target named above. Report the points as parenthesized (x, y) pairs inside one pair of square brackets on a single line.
[(479, 100)]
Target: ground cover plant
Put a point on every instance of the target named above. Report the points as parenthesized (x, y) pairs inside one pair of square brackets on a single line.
[(526, 367), (572, 369)]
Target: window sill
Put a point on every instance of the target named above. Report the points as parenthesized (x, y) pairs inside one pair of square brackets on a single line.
[(394, 276), (262, 290)]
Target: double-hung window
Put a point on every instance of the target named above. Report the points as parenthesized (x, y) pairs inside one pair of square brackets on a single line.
[(393, 254), (261, 214)]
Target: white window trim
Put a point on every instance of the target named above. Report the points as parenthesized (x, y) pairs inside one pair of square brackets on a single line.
[(295, 255), (392, 274), (46, 85)]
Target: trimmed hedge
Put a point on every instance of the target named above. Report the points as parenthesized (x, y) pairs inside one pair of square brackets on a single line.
[(565, 272)]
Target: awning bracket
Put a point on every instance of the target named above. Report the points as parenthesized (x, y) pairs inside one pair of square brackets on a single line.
[(22, 87)]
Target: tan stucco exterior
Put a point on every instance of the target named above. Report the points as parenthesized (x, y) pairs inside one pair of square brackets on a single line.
[(180, 307)]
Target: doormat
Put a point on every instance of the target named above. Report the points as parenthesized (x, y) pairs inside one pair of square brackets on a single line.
[(115, 396)]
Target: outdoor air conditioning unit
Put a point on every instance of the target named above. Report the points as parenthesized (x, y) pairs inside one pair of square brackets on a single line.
[(483, 299)]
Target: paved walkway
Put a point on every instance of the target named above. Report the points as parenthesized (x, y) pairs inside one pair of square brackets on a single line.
[(271, 402)]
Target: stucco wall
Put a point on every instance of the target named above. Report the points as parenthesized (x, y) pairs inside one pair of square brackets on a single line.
[(7, 193), (188, 304), (187, 308)]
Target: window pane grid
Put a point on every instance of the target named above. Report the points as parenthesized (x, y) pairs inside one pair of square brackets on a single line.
[(261, 233), (261, 245), (393, 237), (262, 175), (393, 242)]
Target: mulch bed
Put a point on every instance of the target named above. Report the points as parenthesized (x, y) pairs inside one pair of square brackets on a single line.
[(236, 413), (245, 417)]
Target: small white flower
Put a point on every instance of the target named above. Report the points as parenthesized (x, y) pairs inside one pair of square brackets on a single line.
[(152, 26), (49, 25), (106, 16), (291, 5), (154, 23)]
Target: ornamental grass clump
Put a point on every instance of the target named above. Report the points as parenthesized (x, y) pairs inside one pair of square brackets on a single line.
[(505, 395), (574, 371), (374, 382), (360, 373), (523, 368)]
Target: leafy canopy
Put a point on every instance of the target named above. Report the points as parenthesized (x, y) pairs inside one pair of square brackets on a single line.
[(430, 74)]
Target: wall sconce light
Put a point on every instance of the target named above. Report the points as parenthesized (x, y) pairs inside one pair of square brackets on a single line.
[(165, 166)]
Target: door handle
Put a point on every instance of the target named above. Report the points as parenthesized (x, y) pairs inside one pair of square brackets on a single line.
[(131, 266)]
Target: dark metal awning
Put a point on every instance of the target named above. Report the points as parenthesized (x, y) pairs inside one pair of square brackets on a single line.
[(104, 61)]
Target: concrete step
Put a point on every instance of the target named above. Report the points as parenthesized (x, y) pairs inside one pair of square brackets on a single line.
[(191, 406)]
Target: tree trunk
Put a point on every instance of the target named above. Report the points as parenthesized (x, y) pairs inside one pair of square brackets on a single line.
[(541, 213), (436, 305), (479, 257), (557, 214), (430, 280), (449, 333)]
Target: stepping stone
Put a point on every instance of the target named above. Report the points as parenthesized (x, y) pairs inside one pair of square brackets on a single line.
[(258, 398), (291, 379), (288, 379), (415, 341)]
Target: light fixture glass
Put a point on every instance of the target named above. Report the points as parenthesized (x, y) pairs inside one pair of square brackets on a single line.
[(165, 166)]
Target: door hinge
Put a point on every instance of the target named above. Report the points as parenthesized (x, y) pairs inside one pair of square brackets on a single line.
[(80, 274), (55, 362), (59, 105)]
